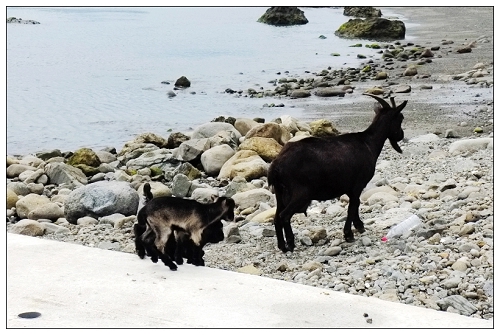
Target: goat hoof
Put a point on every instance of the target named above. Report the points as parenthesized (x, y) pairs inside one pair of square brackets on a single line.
[(349, 239)]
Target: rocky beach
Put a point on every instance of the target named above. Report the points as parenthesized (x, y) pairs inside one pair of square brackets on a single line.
[(444, 176)]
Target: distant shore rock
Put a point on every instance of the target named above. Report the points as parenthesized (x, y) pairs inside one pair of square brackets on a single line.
[(372, 28), (19, 20), (362, 11), (283, 16)]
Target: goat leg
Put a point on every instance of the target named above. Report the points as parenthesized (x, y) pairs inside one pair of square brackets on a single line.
[(290, 238), (167, 261), (279, 232), (354, 214)]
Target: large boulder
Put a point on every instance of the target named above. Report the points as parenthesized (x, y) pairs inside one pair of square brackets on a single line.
[(253, 198), (372, 29), (243, 125), (144, 138), (362, 11), (323, 128), (270, 130), (101, 199), (471, 145), (246, 164), (160, 158), (49, 211), (14, 170), (84, 156), (191, 149), (214, 158), (283, 16), (29, 203), (267, 148), (210, 129)]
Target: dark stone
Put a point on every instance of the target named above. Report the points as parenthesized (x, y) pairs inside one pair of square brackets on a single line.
[(16, 20), (175, 139), (283, 16), (182, 82)]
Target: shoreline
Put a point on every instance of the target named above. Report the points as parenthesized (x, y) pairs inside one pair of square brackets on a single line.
[(447, 105)]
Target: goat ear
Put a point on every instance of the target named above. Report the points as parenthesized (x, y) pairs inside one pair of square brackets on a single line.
[(377, 107)]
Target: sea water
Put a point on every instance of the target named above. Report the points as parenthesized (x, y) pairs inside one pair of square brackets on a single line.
[(92, 76)]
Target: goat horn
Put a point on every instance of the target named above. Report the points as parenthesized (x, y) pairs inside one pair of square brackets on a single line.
[(381, 101), (393, 103)]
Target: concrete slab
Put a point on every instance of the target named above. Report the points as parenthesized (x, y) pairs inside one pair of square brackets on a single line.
[(73, 286)]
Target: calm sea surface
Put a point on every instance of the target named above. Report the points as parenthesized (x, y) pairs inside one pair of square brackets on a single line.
[(91, 77)]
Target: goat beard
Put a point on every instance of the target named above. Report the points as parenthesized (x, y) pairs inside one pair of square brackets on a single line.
[(395, 145)]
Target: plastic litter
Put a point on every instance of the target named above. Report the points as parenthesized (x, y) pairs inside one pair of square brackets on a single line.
[(403, 227)]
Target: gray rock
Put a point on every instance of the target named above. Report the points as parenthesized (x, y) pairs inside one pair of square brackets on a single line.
[(252, 198), (15, 170), (63, 174), (214, 158), (210, 129), (462, 305), (28, 227), (29, 203), (181, 185), (191, 149), (101, 199)]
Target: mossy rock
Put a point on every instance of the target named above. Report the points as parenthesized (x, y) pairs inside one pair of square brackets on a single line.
[(156, 171), (131, 172), (335, 54), (84, 156), (87, 170), (372, 28), (367, 68), (357, 45)]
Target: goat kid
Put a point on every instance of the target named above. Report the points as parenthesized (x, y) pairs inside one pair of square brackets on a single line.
[(188, 224), (326, 168), (179, 245)]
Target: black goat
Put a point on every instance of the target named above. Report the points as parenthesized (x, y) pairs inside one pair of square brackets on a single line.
[(325, 168), (179, 245), (170, 227)]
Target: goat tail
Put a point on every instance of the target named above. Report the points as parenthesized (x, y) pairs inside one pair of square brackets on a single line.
[(271, 178)]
